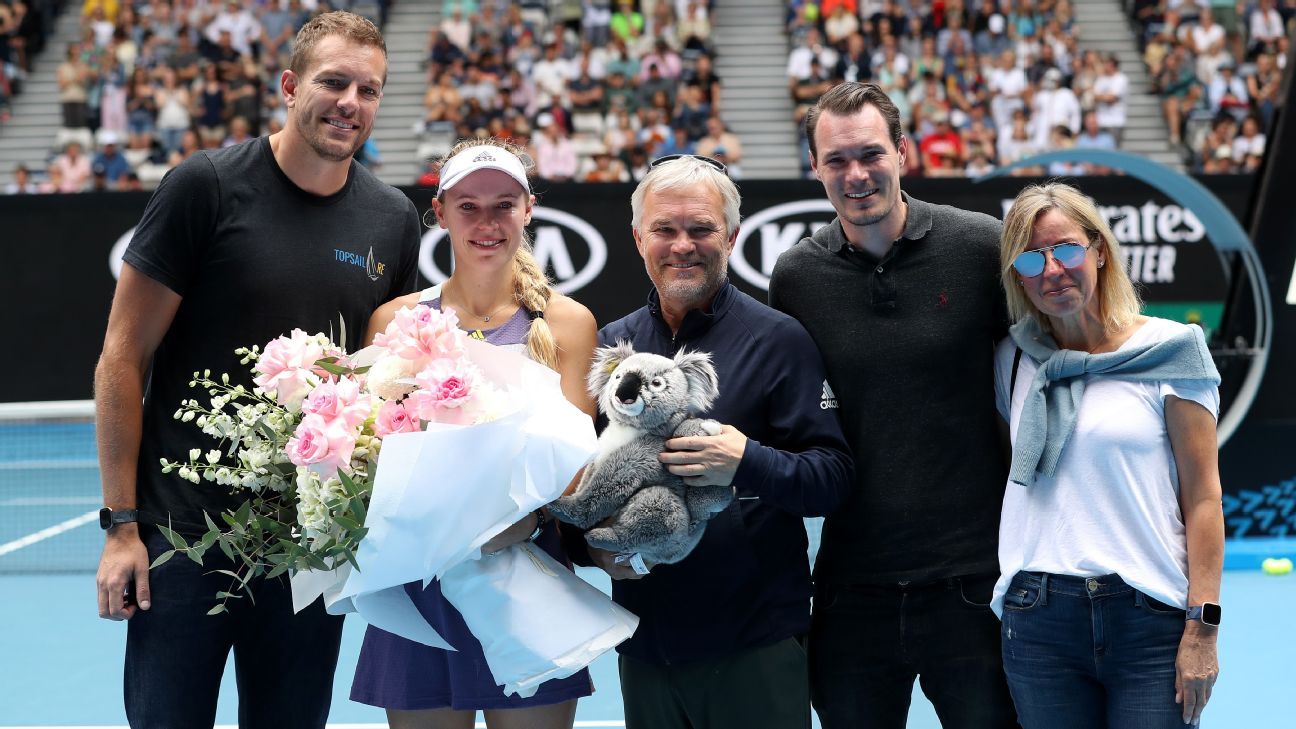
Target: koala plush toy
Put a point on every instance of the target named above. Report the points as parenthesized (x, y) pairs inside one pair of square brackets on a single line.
[(647, 399)]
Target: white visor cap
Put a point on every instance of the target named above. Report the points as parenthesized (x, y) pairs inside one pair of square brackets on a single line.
[(482, 157)]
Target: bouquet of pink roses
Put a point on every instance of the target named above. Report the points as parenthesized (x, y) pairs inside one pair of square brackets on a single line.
[(303, 445)]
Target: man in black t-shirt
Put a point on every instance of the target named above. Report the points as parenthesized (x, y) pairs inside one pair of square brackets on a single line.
[(236, 247)]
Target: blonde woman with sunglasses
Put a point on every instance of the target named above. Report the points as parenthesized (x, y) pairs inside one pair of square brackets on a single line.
[(1112, 535)]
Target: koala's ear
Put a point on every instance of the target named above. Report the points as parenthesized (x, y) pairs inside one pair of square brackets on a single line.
[(606, 360), (704, 386)]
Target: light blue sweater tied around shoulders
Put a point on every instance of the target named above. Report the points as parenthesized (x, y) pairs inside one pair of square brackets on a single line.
[(1049, 412)]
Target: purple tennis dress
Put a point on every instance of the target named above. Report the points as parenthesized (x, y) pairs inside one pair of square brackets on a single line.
[(397, 673)]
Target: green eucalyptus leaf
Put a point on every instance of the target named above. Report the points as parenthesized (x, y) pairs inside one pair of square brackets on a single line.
[(162, 558), (217, 610), (175, 539)]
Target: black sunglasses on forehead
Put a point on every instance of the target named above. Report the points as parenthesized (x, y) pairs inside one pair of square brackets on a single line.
[(672, 157)]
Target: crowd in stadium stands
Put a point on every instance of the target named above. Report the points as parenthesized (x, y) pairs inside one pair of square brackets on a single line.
[(983, 83), (593, 98), (24, 26), (596, 90), (1217, 68)]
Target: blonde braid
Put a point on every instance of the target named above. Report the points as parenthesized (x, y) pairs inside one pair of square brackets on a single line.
[(532, 290)]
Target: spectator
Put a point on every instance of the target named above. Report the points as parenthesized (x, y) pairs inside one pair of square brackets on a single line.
[(840, 25), (811, 49), (1228, 93), (1205, 34), (953, 33), (994, 40), (74, 82), (723, 145), (209, 105), (627, 24), (173, 103), (1007, 85), (637, 163), (1264, 87), (279, 26), (1015, 142), (1061, 139), (653, 132), (694, 30), (185, 60), (807, 89), (655, 87), (979, 165), (457, 29), (441, 52), (942, 149), (1054, 105), (239, 132), (1180, 91), (666, 60), (1216, 151), (74, 168), (621, 60), (243, 27), (112, 95), (1093, 137), (606, 168), (677, 143), (1110, 90), (704, 76), (621, 131), (243, 95), (113, 165), (22, 183), (855, 64), (551, 75), (618, 95), (586, 95), (555, 155), (190, 144), (141, 109), (1266, 29), (1249, 145), (596, 21), (692, 113), (53, 181)]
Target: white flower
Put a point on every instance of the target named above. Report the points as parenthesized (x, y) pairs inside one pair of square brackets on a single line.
[(213, 456), (391, 377)]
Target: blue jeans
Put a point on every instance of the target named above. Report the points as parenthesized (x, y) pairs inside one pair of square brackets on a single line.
[(175, 652), (869, 642), (1088, 653)]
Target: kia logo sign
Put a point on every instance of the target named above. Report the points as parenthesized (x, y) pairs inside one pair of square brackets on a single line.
[(775, 229), (566, 245)]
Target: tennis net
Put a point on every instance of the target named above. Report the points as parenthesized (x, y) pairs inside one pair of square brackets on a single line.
[(49, 487)]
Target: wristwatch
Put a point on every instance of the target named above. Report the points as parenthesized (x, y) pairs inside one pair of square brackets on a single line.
[(1207, 613), (541, 520), (109, 518)]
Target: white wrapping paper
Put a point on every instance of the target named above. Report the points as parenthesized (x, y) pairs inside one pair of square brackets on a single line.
[(440, 494)]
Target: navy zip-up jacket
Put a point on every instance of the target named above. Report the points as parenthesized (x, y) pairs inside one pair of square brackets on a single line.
[(747, 583)]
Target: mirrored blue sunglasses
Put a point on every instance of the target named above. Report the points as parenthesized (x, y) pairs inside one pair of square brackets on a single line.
[(1069, 254)]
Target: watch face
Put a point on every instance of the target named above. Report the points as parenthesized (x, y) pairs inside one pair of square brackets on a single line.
[(1211, 613), (105, 518)]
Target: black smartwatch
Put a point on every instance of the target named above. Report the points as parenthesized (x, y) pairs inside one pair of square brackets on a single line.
[(1207, 613), (109, 518), (541, 520)]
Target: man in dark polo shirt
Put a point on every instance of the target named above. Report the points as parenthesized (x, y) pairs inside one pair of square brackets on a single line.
[(903, 300)]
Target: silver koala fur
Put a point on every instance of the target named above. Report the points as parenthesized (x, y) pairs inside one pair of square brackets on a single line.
[(647, 399)]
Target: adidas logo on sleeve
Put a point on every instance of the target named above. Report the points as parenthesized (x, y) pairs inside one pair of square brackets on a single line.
[(828, 400)]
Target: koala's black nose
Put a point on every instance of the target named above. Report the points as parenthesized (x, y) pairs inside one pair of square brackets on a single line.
[(628, 389)]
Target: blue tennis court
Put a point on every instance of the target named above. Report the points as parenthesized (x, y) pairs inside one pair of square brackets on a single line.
[(64, 664)]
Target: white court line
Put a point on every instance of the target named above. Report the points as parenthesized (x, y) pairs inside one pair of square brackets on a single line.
[(49, 464), (48, 532), (478, 725), (50, 501)]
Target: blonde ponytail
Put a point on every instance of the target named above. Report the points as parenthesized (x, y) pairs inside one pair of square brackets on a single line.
[(532, 290)]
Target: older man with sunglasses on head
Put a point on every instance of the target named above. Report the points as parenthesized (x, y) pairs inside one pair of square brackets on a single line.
[(720, 639), (903, 299)]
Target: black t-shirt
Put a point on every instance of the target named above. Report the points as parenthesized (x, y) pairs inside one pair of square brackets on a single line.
[(253, 256)]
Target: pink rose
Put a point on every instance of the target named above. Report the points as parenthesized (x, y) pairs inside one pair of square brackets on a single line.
[(422, 334), (443, 386), (339, 399), (328, 443), (285, 366), (393, 417)]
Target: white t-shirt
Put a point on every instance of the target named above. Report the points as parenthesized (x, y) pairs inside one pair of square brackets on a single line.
[(1111, 115), (1113, 504)]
